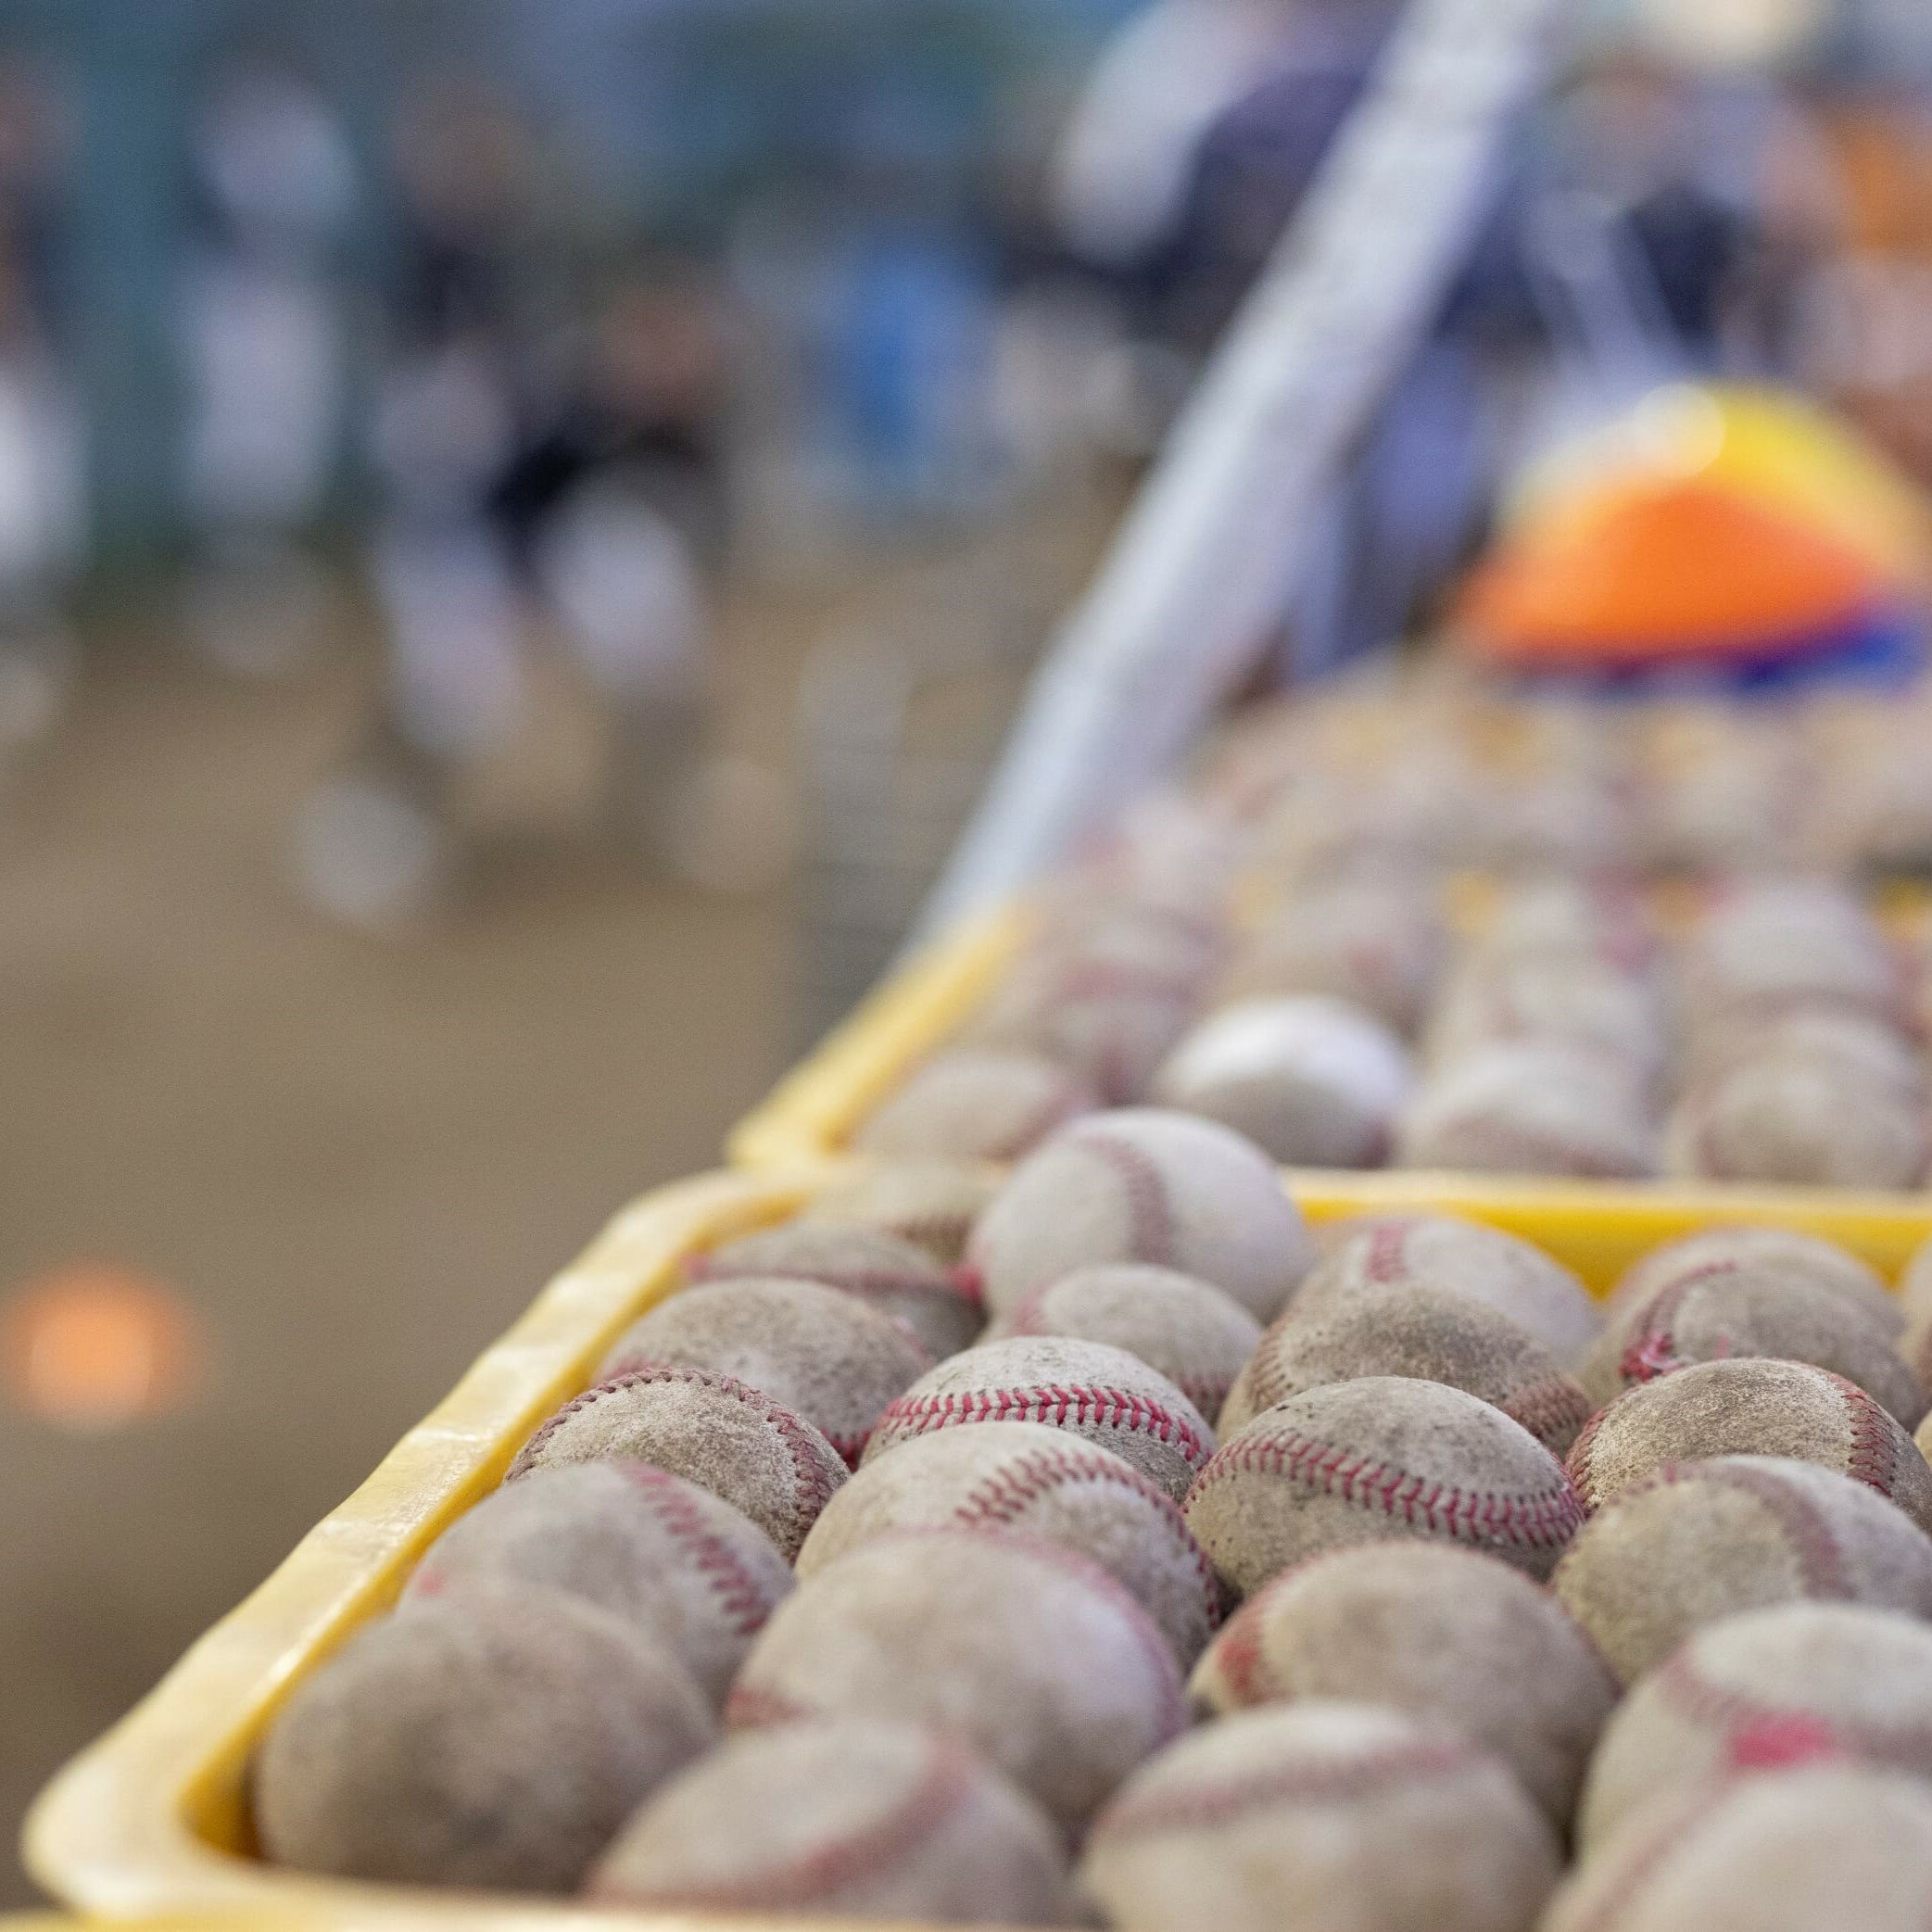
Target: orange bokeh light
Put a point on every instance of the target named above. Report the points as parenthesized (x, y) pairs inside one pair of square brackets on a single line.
[(94, 1346)]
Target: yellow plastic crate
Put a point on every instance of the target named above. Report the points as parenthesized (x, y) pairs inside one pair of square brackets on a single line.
[(152, 1820)]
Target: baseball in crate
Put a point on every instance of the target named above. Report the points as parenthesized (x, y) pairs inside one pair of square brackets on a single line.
[(1151, 1554), (1404, 924)]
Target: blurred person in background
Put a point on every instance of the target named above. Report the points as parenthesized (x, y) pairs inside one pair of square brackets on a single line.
[(1632, 239), (535, 469), (1863, 325), (264, 336), (43, 434)]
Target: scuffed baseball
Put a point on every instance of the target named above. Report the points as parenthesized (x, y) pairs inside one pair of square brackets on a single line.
[(1750, 1406), (1817, 1846), (1101, 1395), (1438, 1632), (853, 1817), (891, 1269), (1744, 1693), (766, 1461), (822, 1354), (1195, 1334), (1312, 1081), (1036, 1480), (1447, 1254), (1417, 1332), (1696, 1541), (1141, 1185), (1032, 1655), (1348, 1816), (675, 1561), (1378, 1458)]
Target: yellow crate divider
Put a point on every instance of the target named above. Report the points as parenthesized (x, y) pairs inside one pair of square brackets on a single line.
[(153, 1818)]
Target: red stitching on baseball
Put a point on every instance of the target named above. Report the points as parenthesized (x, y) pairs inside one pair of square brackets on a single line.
[(1551, 1407), (738, 1591), (1054, 1109), (1576, 1465), (1643, 1864), (1543, 1521), (1385, 1256), (819, 1873), (1872, 1455), (1365, 1774), (1724, 1710), (1651, 1349), (1060, 1404), (1006, 1494), (814, 1483), (970, 1280), (1028, 1313), (1028, 1317), (1156, 1651), (751, 1705), (1239, 1657), (1150, 1215), (1806, 1528), (939, 1282)]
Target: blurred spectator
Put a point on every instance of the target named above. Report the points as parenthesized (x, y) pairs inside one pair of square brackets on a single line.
[(42, 507), (533, 470), (264, 339), (1865, 325)]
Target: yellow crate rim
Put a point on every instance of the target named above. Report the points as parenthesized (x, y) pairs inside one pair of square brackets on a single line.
[(152, 1820)]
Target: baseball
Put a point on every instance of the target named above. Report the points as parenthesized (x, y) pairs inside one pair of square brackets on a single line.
[(855, 1818), (1032, 1655), (1028, 1477), (1417, 1332), (764, 1460), (1744, 1309), (1819, 1846), (1750, 1406), (1825, 1265), (494, 1735), (976, 1103), (822, 1354), (1454, 1256), (1530, 1107), (1085, 1388), (1348, 1816), (1697, 1541), (1186, 1329), (1800, 1119), (1743, 1693), (930, 1204), (672, 1558), (1141, 1185), (886, 1269), (1436, 1631), (1381, 1457), (1313, 1081)]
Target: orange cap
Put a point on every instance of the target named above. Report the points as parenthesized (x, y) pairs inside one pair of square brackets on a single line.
[(1675, 569)]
